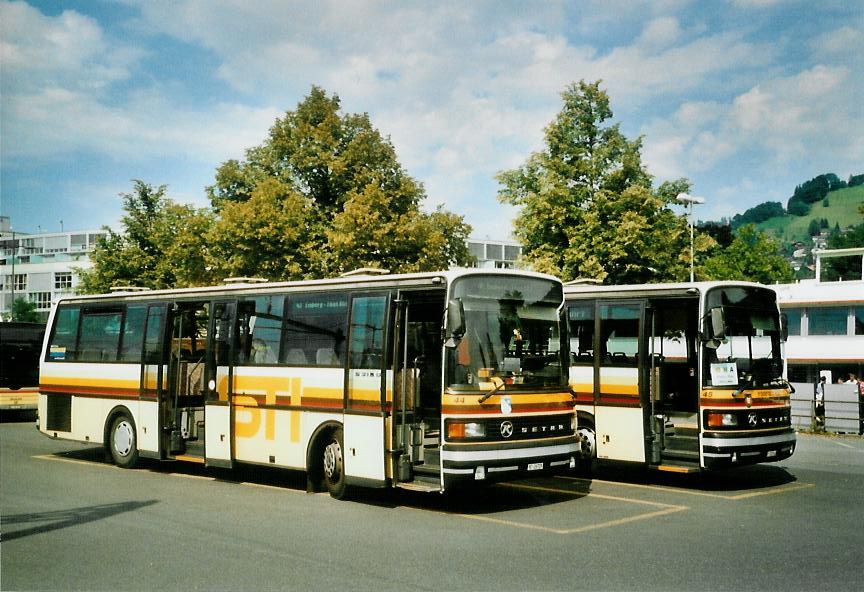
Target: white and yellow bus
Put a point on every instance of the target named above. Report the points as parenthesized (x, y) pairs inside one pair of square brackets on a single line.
[(681, 377), (418, 381)]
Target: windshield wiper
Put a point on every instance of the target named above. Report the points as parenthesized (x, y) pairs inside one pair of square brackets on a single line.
[(494, 390)]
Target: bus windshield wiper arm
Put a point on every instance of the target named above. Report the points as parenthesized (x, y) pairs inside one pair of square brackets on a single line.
[(494, 390)]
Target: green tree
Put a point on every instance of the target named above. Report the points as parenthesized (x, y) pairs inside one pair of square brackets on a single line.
[(338, 184), (24, 311), (586, 204), (161, 245), (752, 256), (847, 268)]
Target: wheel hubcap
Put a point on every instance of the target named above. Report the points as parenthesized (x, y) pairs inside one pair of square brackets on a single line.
[(587, 440), (333, 461), (124, 438)]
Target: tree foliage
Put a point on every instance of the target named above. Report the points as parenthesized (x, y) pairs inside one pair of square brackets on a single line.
[(24, 311), (586, 204), (846, 268), (325, 193), (160, 245), (759, 213), (752, 256)]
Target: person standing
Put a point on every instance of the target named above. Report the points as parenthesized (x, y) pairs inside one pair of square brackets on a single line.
[(819, 400), (859, 383)]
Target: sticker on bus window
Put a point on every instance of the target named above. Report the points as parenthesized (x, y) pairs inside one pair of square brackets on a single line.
[(57, 353), (724, 374)]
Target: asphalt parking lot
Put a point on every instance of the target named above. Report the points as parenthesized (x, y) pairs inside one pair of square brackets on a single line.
[(73, 521)]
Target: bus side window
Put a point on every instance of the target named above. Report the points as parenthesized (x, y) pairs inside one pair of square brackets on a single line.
[(63, 345), (581, 324), (154, 338), (100, 335), (133, 333)]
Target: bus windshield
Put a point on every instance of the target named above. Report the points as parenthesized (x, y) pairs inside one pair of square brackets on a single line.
[(509, 334), (748, 355)]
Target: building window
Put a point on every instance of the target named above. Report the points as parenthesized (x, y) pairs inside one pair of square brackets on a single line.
[(20, 281), (63, 280), (494, 251), (793, 320), (826, 321), (40, 299), (859, 320)]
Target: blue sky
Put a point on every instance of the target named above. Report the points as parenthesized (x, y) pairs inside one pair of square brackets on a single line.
[(746, 98)]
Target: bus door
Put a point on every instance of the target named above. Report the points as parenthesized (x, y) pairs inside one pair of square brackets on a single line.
[(197, 408), (417, 389), (619, 411), (154, 368), (219, 384), (364, 419), (673, 382)]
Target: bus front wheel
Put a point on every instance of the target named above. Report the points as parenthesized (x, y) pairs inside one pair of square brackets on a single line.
[(334, 464), (588, 447), (122, 442)]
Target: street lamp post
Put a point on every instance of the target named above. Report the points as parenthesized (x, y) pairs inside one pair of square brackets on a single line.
[(690, 201)]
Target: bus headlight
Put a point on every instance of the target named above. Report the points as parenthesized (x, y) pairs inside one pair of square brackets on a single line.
[(458, 429), (722, 420)]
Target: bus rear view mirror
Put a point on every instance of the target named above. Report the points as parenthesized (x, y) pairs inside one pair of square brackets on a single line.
[(455, 322), (784, 326), (718, 323)]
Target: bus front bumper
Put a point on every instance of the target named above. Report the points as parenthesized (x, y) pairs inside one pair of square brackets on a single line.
[(478, 463), (727, 450)]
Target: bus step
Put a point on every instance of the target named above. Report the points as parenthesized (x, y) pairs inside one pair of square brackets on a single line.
[(676, 468), (427, 469), (681, 454), (421, 483)]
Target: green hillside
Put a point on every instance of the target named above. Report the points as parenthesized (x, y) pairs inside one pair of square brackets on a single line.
[(842, 209)]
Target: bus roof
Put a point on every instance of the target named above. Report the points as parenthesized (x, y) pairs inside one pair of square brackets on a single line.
[(440, 278), (672, 289)]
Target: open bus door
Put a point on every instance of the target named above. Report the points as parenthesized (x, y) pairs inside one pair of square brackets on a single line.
[(417, 363), (219, 385), (197, 408), (672, 368)]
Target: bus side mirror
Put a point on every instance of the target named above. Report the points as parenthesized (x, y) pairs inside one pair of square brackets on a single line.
[(455, 322), (784, 326), (718, 323)]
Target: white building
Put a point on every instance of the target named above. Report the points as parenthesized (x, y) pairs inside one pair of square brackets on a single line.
[(41, 267), (494, 254), (826, 323)]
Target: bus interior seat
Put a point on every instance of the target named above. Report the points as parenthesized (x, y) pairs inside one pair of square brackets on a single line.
[(326, 356), (296, 357)]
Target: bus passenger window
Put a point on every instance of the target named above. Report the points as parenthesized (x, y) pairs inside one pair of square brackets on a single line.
[(581, 319), (63, 341), (315, 324), (100, 336), (133, 334)]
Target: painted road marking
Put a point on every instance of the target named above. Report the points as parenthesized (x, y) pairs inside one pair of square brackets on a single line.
[(665, 510), (740, 496), (91, 463)]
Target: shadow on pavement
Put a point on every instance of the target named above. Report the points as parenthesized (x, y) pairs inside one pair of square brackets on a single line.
[(58, 519)]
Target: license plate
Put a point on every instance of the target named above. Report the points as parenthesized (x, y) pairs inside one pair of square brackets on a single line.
[(535, 466)]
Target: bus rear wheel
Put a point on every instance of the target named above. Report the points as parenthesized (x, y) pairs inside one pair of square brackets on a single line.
[(122, 442), (334, 464)]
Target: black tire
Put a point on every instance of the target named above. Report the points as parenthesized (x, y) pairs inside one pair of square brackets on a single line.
[(123, 442), (333, 464), (588, 448)]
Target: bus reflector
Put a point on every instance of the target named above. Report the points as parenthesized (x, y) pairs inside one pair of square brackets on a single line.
[(455, 429)]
